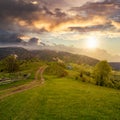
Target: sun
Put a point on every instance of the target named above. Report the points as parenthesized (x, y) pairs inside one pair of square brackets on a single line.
[(91, 42)]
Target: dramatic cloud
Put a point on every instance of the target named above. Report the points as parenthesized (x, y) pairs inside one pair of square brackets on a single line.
[(109, 9), (16, 13), (9, 38), (58, 21), (34, 41), (116, 24), (80, 22), (43, 15)]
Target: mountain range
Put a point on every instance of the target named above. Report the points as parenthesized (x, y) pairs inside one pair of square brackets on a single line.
[(51, 55)]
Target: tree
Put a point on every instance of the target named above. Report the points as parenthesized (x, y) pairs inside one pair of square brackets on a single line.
[(102, 73), (11, 64)]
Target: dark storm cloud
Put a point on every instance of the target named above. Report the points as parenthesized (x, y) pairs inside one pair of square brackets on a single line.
[(25, 9), (93, 28), (110, 8), (52, 4), (59, 13), (15, 11), (16, 8), (24, 15), (9, 38), (33, 41)]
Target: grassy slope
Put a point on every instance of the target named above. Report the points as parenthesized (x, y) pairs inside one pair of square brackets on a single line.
[(62, 99), (29, 67)]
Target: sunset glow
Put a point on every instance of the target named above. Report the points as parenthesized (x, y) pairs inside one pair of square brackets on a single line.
[(92, 42)]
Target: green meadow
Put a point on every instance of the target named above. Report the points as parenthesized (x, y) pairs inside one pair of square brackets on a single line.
[(62, 99), (68, 93)]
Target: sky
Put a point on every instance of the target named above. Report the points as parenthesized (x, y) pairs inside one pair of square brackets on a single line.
[(76, 23)]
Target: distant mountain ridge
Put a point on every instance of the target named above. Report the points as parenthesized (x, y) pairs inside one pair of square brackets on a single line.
[(21, 52), (97, 53), (49, 55), (115, 65), (65, 56), (46, 55)]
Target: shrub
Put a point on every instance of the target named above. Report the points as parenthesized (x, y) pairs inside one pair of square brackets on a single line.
[(56, 69)]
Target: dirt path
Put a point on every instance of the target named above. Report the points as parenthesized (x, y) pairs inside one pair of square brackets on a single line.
[(40, 72), (37, 82)]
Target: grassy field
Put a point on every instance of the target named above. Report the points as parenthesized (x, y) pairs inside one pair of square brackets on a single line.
[(26, 68), (62, 99)]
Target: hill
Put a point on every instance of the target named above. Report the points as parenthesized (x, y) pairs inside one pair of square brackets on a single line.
[(47, 55), (115, 65), (65, 56), (20, 52)]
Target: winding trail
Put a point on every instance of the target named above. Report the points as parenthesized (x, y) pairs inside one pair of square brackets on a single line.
[(37, 82)]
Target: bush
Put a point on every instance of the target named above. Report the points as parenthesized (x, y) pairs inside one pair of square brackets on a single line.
[(56, 69)]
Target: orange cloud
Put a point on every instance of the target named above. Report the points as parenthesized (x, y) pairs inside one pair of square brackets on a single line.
[(116, 25), (25, 37), (79, 22), (54, 26), (42, 24)]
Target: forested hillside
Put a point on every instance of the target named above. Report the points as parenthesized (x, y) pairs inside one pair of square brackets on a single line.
[(47, 55)]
